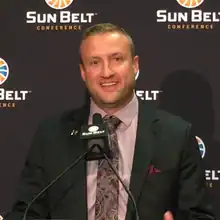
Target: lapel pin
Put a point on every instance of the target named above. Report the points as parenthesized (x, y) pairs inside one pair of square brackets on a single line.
[(74, 132)]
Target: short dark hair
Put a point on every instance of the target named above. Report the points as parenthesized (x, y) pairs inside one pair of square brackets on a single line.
[(107, 28)]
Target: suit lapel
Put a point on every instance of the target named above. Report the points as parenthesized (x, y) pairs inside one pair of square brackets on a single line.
[(72, 123), (145, 145)]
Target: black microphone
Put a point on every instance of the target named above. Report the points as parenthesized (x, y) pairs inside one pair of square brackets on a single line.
[(97, 119), (98, 142), (96, 138)]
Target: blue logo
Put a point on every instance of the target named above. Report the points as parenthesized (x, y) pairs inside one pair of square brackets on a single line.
[(202, 148), (4, 71)]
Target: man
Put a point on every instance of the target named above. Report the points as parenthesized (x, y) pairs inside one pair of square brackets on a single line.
[(155, 153)]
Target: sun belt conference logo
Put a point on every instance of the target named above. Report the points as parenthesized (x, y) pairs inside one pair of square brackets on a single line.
[(211, 175), (61, 19), (4, 71), (59, 4), (194, 18), (93, 128), (9, 97), (190, 3)]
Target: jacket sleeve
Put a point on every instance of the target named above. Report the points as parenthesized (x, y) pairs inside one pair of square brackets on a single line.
[(33, 179), (193, 199)]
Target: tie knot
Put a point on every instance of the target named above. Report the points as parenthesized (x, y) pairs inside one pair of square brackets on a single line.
[(112, 122)]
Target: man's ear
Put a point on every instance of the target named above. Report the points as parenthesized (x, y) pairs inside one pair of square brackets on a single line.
[(136, 64), (82, 71)]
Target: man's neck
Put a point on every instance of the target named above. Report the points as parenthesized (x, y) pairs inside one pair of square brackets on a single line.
[(114, 108)]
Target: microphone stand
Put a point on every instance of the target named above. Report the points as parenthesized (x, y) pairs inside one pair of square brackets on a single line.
[(125, 187), (74, 164)]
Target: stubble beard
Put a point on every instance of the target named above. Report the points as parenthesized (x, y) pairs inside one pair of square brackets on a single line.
[(121, 98)]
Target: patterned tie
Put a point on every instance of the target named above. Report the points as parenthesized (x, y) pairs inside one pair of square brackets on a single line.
[(106, 207)]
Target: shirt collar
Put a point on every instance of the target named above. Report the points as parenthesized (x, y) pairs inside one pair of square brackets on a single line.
[(126, 114)]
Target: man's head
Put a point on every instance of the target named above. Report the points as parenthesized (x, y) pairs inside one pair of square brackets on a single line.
[(108, 65)]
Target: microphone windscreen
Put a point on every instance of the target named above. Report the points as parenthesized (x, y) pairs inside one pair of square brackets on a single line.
[(97, 119)]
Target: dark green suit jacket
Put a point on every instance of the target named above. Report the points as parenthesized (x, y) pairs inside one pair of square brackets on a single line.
[(167, 171)]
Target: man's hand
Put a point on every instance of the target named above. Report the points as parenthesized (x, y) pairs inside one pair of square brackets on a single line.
[(168, 216)]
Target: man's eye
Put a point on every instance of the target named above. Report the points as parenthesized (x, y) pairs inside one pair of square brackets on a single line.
[(118, 59), (95, 62)]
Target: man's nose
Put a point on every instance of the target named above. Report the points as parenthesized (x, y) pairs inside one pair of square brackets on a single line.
[(107, 70)]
